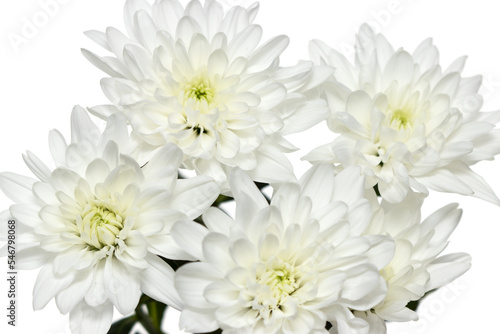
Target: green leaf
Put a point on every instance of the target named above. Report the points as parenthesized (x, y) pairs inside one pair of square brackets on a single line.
[(123, 326)]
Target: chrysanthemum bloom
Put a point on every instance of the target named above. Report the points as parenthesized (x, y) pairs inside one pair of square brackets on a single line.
[(405, 121), (285, 267), (416, 267), (97, 223), (197, 77)]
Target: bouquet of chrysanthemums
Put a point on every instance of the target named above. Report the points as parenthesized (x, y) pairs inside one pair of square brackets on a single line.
[(187, 199)]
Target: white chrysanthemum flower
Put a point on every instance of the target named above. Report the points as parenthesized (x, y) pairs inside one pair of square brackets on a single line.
[(97, 223), (288, 266), (416, 267), (197, 77), (405, 121)]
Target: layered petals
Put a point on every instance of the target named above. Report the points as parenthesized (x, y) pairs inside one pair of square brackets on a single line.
[(408, 123), (200, 77), (288, 266), (94, 223)]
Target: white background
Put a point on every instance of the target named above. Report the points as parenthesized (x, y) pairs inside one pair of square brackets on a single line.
[(41, 80)]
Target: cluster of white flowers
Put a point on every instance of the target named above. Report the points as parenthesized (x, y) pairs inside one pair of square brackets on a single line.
[(342, 249)]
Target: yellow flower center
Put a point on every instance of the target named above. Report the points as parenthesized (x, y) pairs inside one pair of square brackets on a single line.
[(100, 225), (402, 118), (283, 280), (199, 89)]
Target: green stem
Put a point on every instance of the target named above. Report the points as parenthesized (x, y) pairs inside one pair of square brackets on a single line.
[(153, 314), (145, 320)]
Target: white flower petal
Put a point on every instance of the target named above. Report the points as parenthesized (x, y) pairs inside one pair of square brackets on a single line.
[(186, 28), (48, 285), (443, 222), (427, 55), (57, 145), (17, 187), (395, 191), (217, 63), (166, 14), (98, 37), (444, 180), (198, 320), (97, 294), (272, 166), (189, 236), (100, 63), (122, 286), (37, 166), (447, 268), (131, 7), (229, 145), (244, 253), (399, 68), (26, 214), (481, 189), (145, 29), (217, 221), (241, 185), (190, 287), (471, 131), (70, 297), (264, 56), (165, 246), (215, 249), (320, 154), (318, 183), (193, 196), (163, 165), (64, 262), (448, 84), (307, 115), (31, 258), (96, 171), (82, 128), (246, 41), (158, 282), (381, 252), (85, 319), (350, 179), (235, 316)]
